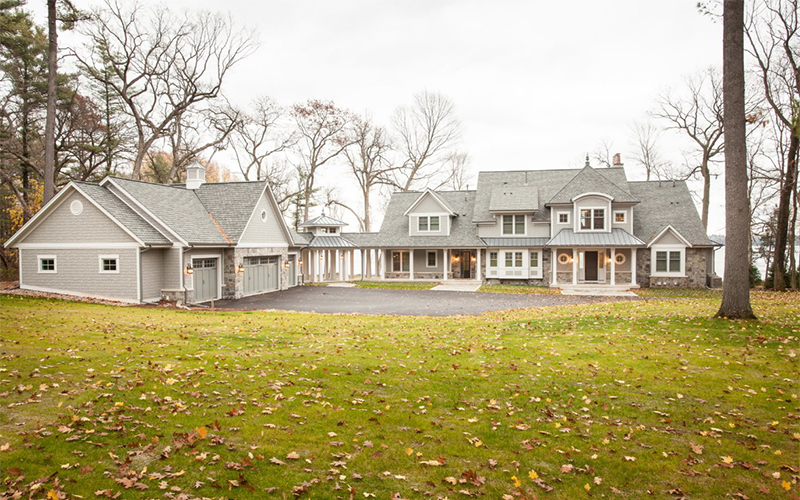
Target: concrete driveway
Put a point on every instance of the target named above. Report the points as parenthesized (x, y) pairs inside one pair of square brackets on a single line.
[(401, 302)]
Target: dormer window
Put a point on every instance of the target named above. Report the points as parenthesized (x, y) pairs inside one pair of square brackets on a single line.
[(593, 219), (428, 223), (513, 225)]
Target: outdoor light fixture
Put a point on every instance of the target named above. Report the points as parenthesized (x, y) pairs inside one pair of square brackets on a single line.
[(286, 264), (189, 269), (456, 258), (300, 262), (473, 258), (240, 269)]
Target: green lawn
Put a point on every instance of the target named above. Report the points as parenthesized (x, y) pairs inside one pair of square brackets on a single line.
[(395, 285), (647, 399), (537, 290)]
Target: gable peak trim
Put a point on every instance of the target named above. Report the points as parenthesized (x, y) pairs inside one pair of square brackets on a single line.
[(664, 231)]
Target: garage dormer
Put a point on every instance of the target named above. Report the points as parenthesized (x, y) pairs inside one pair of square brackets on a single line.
[(429, 215)]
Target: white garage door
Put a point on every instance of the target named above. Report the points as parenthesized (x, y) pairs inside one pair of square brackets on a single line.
[(205, 279), (261, 274)]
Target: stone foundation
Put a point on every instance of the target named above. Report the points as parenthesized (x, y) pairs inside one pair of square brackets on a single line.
[(623, 278)]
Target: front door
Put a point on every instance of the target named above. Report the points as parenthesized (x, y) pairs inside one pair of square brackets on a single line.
[(590, 269), (205, 279), (466, 264)]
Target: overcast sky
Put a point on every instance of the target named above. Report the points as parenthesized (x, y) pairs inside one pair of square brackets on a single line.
[(535, 84)]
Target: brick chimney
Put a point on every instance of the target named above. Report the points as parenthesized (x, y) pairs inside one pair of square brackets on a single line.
[(195, 175), (617, 161)]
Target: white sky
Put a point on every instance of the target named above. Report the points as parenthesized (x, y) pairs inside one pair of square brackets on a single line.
[(536, 84)]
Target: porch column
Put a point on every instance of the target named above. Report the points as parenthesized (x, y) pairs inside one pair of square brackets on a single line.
[(554, 266), (345, 271), (446, 263), (363, 260), (381, 266), (339, 265), (478, 266), (633, 266), (327, 265), (574, 266), (613, 266), (411, 264), (352, 264)]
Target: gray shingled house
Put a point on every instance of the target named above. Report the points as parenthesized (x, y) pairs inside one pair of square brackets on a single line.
[(141, 242), (573, 228)]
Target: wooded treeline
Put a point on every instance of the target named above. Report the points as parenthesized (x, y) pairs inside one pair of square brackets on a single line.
[(142, 94)]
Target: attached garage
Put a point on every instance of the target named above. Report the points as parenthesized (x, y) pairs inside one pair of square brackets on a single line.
[(261, 274), (206, 279)]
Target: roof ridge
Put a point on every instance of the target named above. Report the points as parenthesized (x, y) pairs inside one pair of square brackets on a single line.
[(174, 186)]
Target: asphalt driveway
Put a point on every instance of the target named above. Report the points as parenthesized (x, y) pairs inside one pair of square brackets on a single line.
[(400, 302)]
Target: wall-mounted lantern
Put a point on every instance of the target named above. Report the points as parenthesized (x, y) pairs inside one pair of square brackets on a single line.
[(457, 258), (240, 269), (473, 258), (189, 269)]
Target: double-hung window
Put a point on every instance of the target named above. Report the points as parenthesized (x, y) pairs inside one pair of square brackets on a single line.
[(492, 259), (431, 258), (593, 219), (669, 262), (514, 225), (428, 223), (513, 259)]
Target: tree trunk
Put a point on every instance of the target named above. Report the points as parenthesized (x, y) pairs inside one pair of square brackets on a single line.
[(706, 190), (793, 238), (366, 211), (782, 226), (736, 287), (50, 122)]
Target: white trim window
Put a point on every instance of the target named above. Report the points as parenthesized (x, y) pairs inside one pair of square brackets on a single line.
[(109, 264), (593, 219), (428, 224), (431, 259), (563, 217), (400, 261), (47, 264), (535, 261), (513, 225), (620, 217), (513, 259), (668, 261)]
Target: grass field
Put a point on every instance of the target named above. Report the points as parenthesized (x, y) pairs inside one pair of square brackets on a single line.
[(647, 399)]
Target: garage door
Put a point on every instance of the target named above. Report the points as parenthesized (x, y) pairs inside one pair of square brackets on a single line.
[(205, 279), (260, 274)]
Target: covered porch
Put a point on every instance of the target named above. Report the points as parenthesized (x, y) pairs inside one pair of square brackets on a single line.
[(581, 267), (429, 264)]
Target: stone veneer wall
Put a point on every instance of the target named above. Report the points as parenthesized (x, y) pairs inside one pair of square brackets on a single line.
[(696, 267), (233, 281)]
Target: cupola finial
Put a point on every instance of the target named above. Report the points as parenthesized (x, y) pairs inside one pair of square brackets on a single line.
[(587, 160)]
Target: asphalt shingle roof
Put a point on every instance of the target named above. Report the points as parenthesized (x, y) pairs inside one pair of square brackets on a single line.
[(123, 213), (231, 203), (616, 238), (514, 198), (667, 203), (547, 183), (588, 180), (179, 208), (463, 233)]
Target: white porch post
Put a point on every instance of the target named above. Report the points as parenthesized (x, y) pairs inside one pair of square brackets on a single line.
[(352, 265), (312, 265), (345, 268), (554, 266), (633, 266), (338, 265), (411, 264), (363, 261), (613, 266), (381, 264), (328, 273), (478, 267), (446, 263), (574, 266)]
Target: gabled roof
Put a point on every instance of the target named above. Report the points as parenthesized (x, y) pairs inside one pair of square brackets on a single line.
[(438, 199), (231, 203), (122, 213), (667, 203), (510, 198), (671, 230), (463, 233), (323, 221), (589, 180), (616, 238), (178, 208)]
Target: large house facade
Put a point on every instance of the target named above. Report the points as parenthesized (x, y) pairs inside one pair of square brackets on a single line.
[(573, 228), (196, 242)]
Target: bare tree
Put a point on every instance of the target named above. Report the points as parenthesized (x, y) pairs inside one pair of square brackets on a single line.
[(195, 131), (736, 287), (457, 167), (697, 112), (772, 29), (323, 135), (647, 153), (603, 153), (259, 135), (425, 134), (368, 162), (159, 64)]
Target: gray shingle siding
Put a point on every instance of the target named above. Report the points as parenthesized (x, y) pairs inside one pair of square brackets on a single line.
[(232, 204), (78, 271), (152, 262), (264, 231), (123, 213), (91, 226)]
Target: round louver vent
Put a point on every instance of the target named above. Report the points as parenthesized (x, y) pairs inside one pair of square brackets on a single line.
[(76, 207)]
